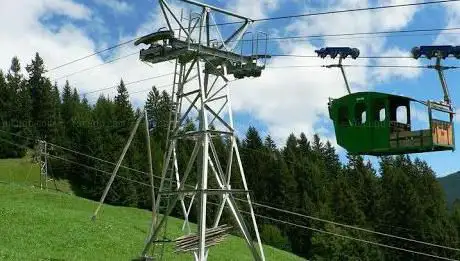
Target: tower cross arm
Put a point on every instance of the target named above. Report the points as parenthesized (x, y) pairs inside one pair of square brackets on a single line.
[(217, 9)]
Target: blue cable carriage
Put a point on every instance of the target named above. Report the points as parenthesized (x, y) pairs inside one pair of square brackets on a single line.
[(342, 52)]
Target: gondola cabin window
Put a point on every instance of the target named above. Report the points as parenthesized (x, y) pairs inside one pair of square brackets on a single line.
[(379, 112), (401, 114), (343, 116), (360, 113)]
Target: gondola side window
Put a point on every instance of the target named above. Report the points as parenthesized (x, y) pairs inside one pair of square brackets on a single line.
[(360, 114), (380, 113), (343, 116), (401, 114)]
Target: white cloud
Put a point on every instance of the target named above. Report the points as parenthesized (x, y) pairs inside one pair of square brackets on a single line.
[(254, 9), (117, 6), (63, 7), (368, 21), (384, 74), (131, 69), (457, 115), (22, 34), (66, 43), (395, 18), (289, 100), (452, 20)]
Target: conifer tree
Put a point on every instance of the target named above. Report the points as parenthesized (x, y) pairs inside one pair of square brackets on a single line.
[(124, 191), (41, 97), (13, 114), (21, 109)]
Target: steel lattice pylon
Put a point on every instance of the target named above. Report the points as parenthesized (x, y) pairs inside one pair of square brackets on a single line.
[(201, 90), (43, 161)]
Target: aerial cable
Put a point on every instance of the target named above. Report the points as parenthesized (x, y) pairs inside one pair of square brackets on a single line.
[(128, 83), (364, 34), (353, 238), (262, 216), (92, 54), (354, 227), (98, 65), (95, 169), (354, 10), (264, 19), (274, 208), (360, 57), (336, 36), (298, 164), (258, 215), (367, 35), (359, 66), (274, 55), (76, 163)]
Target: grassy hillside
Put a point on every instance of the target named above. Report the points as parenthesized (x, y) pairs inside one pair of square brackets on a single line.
[(25, 172), (49, 225), (19, 171), (451, 185)]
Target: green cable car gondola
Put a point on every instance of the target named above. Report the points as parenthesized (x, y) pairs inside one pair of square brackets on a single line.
[(367, 123)]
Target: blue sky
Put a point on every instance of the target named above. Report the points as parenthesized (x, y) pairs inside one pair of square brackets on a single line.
[(282, 100)]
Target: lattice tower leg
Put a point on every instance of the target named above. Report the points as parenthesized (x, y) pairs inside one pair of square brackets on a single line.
[(43, 160)]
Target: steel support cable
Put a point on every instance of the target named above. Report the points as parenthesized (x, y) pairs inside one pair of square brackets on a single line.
[(76, 163), (283, 210), (336, 36), (99, 170), (358, 66), (96, 66), (96, 158), (273, 219), (353, 238), (367, 35), (109, 162), (92, 54), (161, 86), (355, 10), (269, 218), (278, 209), (273, 55), (158, 87), (77, 152), (277, 220), (337, 223), (105, 161), (353, 227), (342, 236), (383, 33), (301, 215), (134, 82), (360, 57), (267, 19), (393, 66), (299, 210), (128, 83)]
